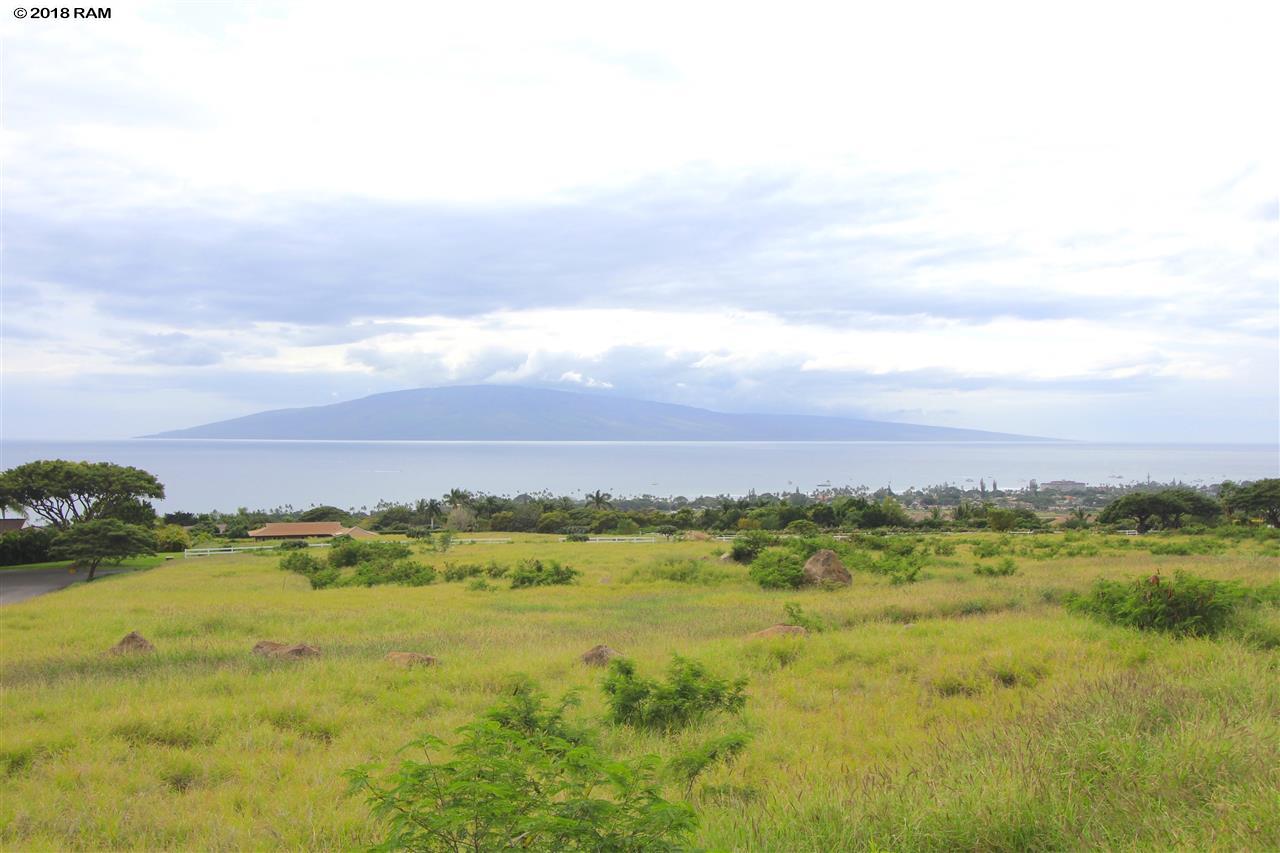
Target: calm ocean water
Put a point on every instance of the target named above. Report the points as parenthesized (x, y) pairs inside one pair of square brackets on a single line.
[(202, 475)]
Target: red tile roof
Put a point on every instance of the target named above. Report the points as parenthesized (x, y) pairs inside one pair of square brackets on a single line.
[(277, 529)]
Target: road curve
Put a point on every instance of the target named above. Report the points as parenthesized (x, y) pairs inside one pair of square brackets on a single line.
[(21, 584)]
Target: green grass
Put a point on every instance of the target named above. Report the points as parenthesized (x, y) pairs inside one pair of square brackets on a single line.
[(959, 712)]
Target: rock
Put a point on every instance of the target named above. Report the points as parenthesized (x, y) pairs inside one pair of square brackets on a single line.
[(598, 656), (779, 631), (132, 643), (825, 568), (271, 649), (411, 659), (726, 558)]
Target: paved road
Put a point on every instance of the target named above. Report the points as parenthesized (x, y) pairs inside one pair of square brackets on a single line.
[(20, 585)]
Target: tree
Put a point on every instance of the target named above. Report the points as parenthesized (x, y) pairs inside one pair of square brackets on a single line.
[(324, 513), (64, 493), (91, 543), (1261, 497), (457, 498), (599, 499), (1168, 505)]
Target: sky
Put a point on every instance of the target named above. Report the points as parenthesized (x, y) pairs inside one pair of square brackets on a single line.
[(1035, 218)]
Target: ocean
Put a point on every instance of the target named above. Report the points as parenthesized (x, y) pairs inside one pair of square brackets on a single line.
[(202, 475)]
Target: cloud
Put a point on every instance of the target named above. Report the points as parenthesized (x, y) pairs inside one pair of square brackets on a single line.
[(961, 220)]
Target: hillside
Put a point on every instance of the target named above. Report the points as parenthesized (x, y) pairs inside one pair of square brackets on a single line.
[(513, 413)]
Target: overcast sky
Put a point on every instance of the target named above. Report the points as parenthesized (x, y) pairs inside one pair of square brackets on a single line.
[(1040, 218)]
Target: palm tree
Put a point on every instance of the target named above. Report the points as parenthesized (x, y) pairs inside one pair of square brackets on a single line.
[(457, 498), (599, 499)]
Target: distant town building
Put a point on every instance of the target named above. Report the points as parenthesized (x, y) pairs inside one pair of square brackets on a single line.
[(12, 525), (1064, 484), (308, 529)]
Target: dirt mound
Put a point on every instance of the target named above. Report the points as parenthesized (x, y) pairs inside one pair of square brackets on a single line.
[(271, 649), (825, 568), (411, 659), (598, 656), (697, 536), (132, 643), (779, 631)]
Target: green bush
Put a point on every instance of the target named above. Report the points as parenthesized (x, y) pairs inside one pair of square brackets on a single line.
[(30, 545), (1186, 606), (292, 545), (537, 573), (795, 615), (748, 544), (683, 570), (399, 572), (346, 551), (301, 562), (689, 695), (1001, 569), (520, 779), (494, 570), (462, 572), (577, 537), (170, 538), (777, 568), (986, 548)]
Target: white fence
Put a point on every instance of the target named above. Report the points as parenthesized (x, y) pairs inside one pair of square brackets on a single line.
[(482, 541), (235, 549), (616, 539)]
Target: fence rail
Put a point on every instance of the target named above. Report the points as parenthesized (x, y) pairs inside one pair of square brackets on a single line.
[(235, 549), (617, 539), (483, 541)]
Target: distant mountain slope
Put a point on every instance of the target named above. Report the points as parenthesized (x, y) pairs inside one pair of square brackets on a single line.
[(512, 413)]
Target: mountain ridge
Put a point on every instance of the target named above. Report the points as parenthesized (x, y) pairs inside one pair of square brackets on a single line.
[(520, 413)]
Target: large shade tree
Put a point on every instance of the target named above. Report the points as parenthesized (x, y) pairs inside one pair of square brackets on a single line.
[(64, 493)]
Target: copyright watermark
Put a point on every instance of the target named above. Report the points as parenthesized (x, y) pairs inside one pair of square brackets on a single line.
[(60, 12)]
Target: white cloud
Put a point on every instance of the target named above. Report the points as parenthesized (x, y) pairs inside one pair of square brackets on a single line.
[(1000, 156)]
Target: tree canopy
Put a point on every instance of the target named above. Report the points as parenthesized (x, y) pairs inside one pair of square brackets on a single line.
[(64, 493), (1168, 506), (91, 543)]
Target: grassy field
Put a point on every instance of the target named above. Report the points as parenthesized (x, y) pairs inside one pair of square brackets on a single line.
[(958, 712)]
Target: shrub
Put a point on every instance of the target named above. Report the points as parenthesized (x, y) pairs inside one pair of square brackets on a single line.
[(577, 537), (747, 545), (1187, 605), (683, 570), (1001, 569), (400, 572), (301, 562), (538, 573), (802, 527), (347, 551), (30, 545), (519, 778), (795, 615), (986, 548), (170, 538), (777, 568), (494, 570), (462, 572), (292, 545), (689, 695)]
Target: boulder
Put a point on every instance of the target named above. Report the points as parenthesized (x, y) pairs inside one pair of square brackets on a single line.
[(779, 631), (726, 558), (132, 643), (598, 656), (271, 649), (411, 659), (824, 568)]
